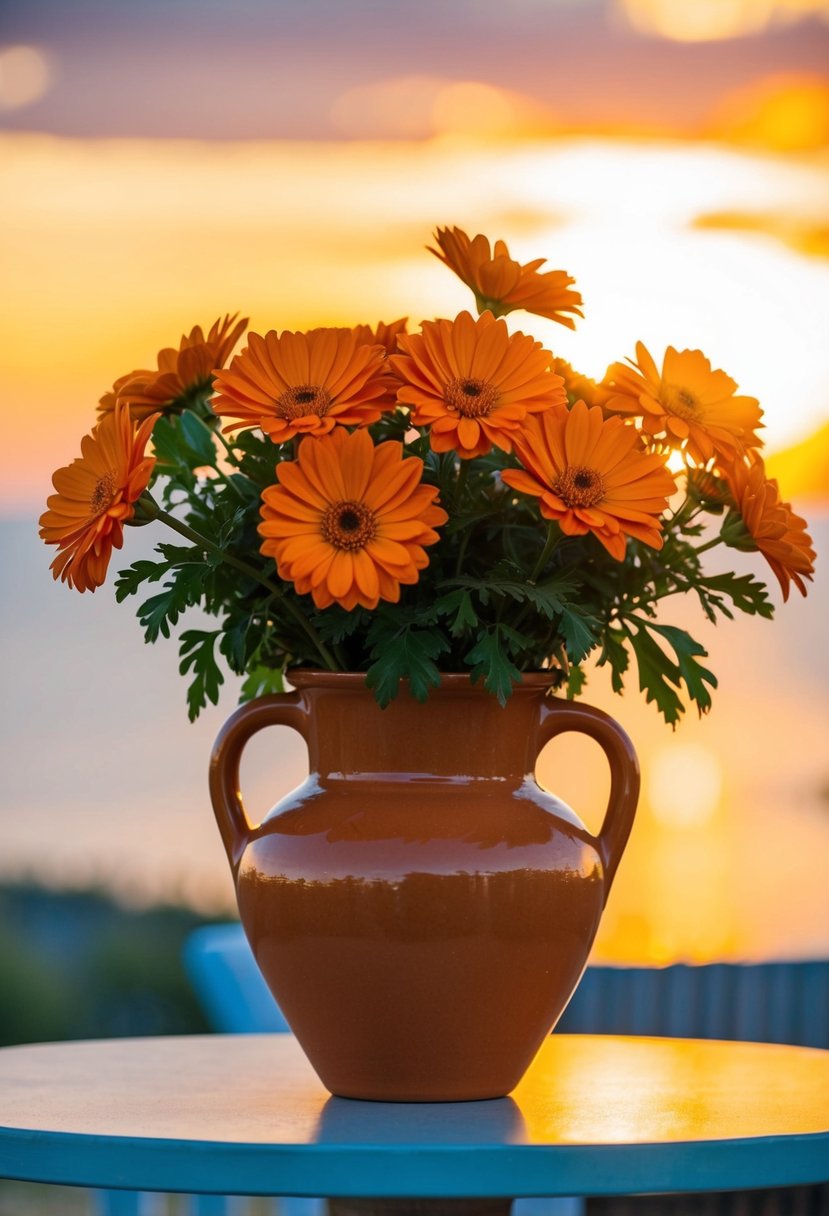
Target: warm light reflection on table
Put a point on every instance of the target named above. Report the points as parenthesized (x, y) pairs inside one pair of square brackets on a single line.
[(245, 1114)]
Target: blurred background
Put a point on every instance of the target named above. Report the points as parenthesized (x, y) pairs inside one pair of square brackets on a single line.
[(164, 163)]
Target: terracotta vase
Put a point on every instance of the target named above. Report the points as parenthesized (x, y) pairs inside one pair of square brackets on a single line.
[(420, 908)]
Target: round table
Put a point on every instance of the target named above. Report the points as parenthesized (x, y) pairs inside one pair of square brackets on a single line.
[(245, 1114)]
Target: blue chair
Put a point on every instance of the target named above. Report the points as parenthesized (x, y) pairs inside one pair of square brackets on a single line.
[(780, 1002), (233, 995)]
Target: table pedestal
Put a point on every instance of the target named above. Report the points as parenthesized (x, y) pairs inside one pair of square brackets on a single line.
[(419, 1207)]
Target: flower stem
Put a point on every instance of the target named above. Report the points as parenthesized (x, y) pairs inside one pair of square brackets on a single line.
[(462, 551), (216, 434), (709, 544), (227, 447), (553, 537), (223, 477), (151, 508)]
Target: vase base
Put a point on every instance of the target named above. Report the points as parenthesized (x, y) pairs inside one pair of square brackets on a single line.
[(435, 1093)]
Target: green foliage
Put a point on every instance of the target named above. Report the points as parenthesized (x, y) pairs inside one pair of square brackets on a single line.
[(491, 661), (460, 612), (161, 611), (747, 594), (660, 676), (261, 682), (504, 591), (614, 654), (576, 680), (197, 654), (403, 652), (76, 964), (184, 588), (335, 625), (182, 445)]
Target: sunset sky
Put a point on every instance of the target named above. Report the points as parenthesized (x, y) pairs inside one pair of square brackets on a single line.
[(164, 163)]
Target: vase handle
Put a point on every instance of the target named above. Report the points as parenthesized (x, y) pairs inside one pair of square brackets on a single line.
[(279, 709), (560, 716)]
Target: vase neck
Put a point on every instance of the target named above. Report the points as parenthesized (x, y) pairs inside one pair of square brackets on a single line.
[(460, 732)]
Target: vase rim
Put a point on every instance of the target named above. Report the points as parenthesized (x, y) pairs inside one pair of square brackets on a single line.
[(450, 681)]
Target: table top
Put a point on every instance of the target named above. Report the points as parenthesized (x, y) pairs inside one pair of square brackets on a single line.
[(245, 1114)]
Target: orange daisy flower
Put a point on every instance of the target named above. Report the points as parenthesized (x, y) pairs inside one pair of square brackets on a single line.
[(502, 284), (473, 383), (708, 487), (772, 525), (304, 383), (107, 402), (95, 497), (348, 521), (182, 374), (383, 334), (688, 403), (591, 476), (577, 386)]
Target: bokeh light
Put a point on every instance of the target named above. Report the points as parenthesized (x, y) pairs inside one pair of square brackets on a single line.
[(398, 108), (707, 20), (684, 784), (25, 76)]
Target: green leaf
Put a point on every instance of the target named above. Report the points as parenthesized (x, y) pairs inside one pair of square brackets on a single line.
[(490, 660), (549, 597), (693, 673), (656, 675), (614, 653), (458, 605), (659, 676), (261, 681), (129, 581), (181, 555), (407, 654), (335, 624), (580, 632), (160, 612), (184, 443), (199, 443), (166, 441), (197, 652), (231, 526), (234, 643), (746, 593), (169, 448), (576, 680), (579, 629)]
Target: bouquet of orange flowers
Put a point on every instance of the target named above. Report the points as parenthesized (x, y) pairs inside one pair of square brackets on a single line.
[(453, 499)]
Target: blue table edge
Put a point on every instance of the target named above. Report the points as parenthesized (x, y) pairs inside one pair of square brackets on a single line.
[(412, 1171)]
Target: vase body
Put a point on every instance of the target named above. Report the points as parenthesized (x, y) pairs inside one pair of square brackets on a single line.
[(420, 908)]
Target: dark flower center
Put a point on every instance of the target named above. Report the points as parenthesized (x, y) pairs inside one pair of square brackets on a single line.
[(471, 398), (302, 400), (103, 493), (349, 525), (679, 402), (579, 486)]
